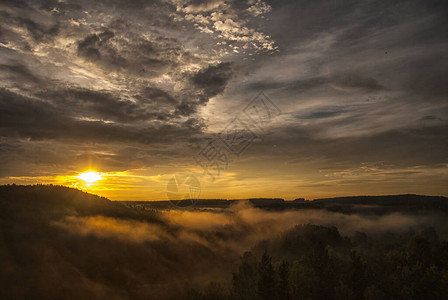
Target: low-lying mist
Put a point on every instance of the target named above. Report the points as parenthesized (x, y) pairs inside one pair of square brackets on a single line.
[(241, 226)]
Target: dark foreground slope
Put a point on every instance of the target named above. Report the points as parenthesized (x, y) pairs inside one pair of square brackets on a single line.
[(48, 202), (62, 243)]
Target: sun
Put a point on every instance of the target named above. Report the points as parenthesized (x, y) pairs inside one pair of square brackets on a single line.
[(90, 177)]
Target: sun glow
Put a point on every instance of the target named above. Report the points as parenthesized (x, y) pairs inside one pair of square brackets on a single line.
[(90, 177)]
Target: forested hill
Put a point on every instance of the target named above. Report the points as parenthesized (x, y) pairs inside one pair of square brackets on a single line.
[(52, 201), (355, 204), (385, 204), (62, 243), (408, 199)]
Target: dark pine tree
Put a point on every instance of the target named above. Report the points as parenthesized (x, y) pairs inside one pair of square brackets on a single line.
[(267, 281), (357, 275), (245, 281), (283, 282)]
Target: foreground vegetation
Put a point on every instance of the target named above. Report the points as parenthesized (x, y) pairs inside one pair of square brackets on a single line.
[(316, 262)]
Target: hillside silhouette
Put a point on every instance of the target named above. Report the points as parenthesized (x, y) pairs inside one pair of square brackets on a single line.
[(52, 201), (62, 243)]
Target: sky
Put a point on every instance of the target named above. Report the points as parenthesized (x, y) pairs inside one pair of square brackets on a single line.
[(225, 98)]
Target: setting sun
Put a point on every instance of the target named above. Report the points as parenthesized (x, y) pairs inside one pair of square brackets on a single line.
[(90, 177)]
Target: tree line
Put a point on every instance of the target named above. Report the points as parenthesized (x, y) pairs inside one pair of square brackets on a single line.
[(316, 262)]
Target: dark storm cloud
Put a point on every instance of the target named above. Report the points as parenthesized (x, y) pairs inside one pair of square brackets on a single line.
[(363, 19), (156, 95), (24, 117), (340, 80), (107, 106), (27, 18), (88, 47), (15, 71), (109, 72), (425, 76), (356, 81), (401, 148), (369, 44), (59, 7), (213, 79), (39, 33), (360, 73), (124, 50), (211, 82), (114, 51)]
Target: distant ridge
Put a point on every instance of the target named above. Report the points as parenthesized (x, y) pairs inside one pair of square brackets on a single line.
[(351, 204), (385, 199), (58, 199)]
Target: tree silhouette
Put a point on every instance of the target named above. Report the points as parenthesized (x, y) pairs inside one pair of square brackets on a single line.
[(283, 283), (267, 281)]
